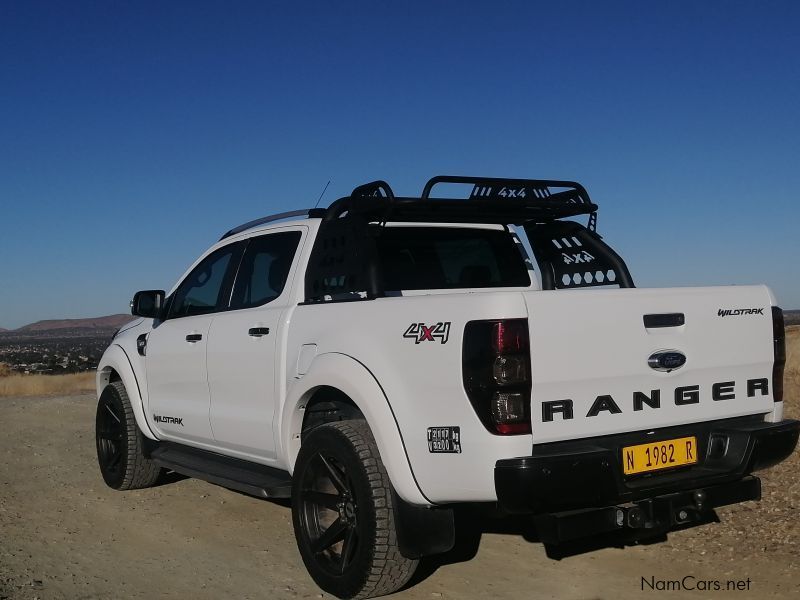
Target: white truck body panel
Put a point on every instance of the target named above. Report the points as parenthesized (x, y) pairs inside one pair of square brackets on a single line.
[(177, 382), (422, 382)]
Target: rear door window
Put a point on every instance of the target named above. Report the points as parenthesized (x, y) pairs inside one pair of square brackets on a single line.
[(264, 269)]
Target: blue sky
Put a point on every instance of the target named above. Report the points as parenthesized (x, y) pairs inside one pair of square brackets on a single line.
[(132, 134)]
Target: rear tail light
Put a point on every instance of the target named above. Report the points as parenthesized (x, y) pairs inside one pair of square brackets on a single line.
[(496, 370), (510, 336), (779, 341), (508, 370), (511, 413)]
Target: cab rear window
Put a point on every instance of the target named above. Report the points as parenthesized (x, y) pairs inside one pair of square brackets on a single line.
[(429, 258)]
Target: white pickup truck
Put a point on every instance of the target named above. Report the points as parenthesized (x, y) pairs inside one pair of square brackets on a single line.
[(388, 358)]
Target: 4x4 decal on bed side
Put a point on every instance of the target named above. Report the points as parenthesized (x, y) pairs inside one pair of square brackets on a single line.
[(420, 332)]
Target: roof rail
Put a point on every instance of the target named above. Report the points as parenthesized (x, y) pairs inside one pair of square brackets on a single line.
[(488, 188), (374, 188), (306, 212)]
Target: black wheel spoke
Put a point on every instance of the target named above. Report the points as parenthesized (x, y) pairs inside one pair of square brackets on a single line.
[(329, 501), (115, 457), (108, 408), (334, 475), (111, 435), (333, 534), (348, 547)]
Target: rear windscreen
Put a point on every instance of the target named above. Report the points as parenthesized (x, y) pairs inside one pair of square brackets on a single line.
[(429, 258)]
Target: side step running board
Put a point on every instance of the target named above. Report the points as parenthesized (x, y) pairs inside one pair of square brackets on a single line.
[(241, 475)]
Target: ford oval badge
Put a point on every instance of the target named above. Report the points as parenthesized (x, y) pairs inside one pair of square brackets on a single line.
[(666, 360)]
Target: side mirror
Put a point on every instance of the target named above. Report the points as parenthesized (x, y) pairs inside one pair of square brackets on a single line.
[(148, 303)]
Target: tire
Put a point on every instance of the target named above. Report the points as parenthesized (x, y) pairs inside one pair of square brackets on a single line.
[(343, 513), (120, 443)]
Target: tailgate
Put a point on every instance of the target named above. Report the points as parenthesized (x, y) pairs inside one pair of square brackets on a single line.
[(590, 351)]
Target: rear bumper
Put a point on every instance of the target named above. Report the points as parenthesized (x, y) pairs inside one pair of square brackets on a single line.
[(569, 476), (645, 519)]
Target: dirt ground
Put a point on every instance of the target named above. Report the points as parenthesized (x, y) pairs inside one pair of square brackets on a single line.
[(63, 534)]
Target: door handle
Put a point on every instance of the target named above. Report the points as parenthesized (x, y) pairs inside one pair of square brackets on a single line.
[(258, 331), (194, 337)]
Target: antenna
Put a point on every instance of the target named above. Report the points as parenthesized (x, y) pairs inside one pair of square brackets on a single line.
[(325, 189)]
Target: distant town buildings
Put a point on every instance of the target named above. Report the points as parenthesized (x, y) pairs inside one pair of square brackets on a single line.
[(52, 355)]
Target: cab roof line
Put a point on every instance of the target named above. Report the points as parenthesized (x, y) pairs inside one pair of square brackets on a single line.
[(310, 213)]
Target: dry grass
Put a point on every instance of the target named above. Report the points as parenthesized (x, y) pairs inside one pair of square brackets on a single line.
[(791, 379), (45, 385)]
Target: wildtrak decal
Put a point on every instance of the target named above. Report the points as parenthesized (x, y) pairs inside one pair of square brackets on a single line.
[(737, 312), (420, 332), (170, 420)]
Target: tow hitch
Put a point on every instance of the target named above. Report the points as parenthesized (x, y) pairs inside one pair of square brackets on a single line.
[(647, 518)]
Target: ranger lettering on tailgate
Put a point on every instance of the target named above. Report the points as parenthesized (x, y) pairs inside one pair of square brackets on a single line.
[(684, 395)]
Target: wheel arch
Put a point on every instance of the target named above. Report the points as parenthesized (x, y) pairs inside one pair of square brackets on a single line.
[(328, 404), (116, 366), (347, 381)]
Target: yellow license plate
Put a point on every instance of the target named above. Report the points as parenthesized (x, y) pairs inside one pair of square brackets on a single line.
[(659, 455)]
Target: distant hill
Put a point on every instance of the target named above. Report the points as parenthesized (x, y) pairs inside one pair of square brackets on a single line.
[(96, 323), (791, 317)]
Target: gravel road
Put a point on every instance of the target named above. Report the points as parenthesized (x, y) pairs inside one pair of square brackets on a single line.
[(63, 534)]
